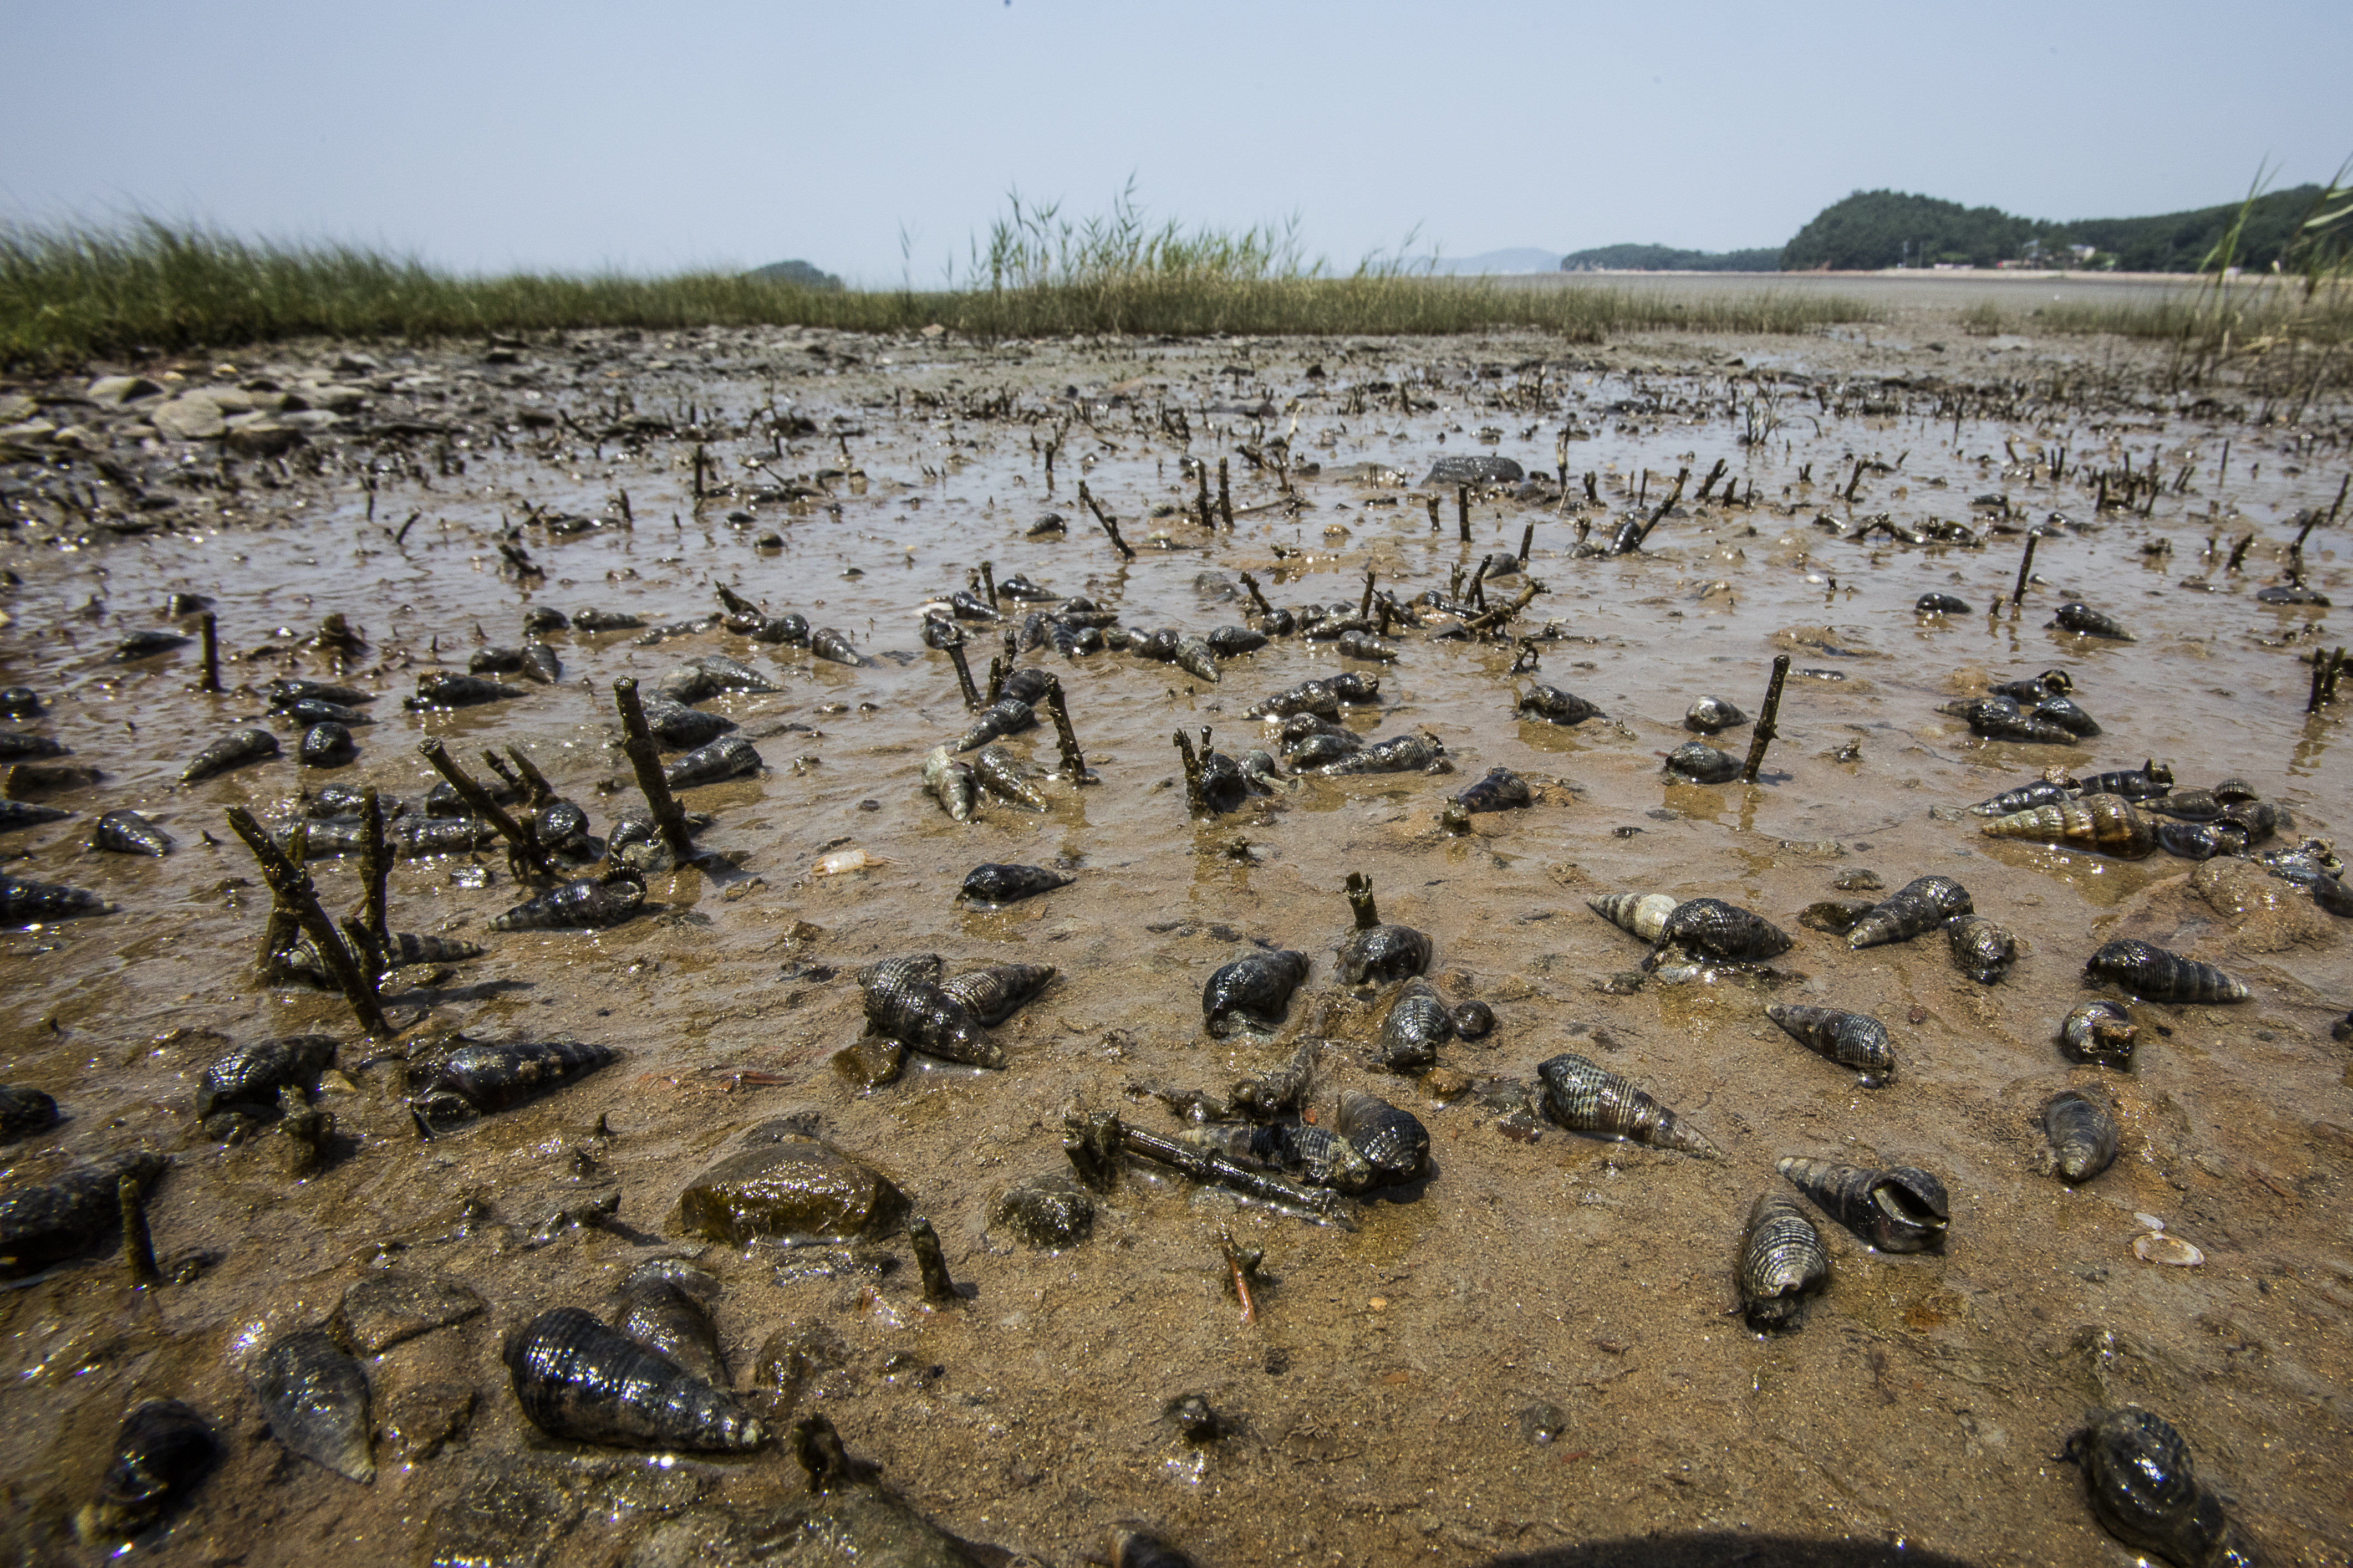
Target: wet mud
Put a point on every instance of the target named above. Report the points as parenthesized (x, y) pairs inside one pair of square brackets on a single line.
[(1534, 1350)]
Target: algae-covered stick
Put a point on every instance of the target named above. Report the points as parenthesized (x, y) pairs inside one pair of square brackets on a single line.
[(1765, 731), (963, 674), (2025, 568), (291, 884), (212, 653), (638, 742), (523, 844)]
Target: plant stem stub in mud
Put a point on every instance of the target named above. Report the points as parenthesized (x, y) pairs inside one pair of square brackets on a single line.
[(2025, 570), (1765, 731), (963, 675), (1195, 800), (292, 885), (1360, 899), (933, 1265), (138, 1244), (638, 742), (1226, 496), (1110, 523), (376, 871), (523, 846), (1074, 762), (212, 653), (1463, 510)]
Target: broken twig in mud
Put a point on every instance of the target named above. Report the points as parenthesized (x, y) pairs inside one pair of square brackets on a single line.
[(523, 848), (291, 884), (645, 761), (1765, 731)]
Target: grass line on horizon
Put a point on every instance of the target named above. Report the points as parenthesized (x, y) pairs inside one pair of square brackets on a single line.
[(69, 294)]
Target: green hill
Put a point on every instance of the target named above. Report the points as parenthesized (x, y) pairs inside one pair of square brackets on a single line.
[(798, 273), (1666, 258), (1871, 229)]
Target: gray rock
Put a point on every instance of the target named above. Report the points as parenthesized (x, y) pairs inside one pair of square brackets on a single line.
[(188, 419), (1481, 469), (113, 391), (266, 439)]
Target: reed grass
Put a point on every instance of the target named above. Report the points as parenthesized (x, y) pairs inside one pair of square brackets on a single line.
[(75, 292), (2283, 334)]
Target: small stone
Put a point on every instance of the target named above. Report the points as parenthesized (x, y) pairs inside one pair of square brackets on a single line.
[(188, 418), (798, 1187), (388, 1309), (113, 391), (1858, 881), (871, 1062)]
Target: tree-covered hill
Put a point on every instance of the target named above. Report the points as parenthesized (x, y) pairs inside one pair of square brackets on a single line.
[(1871, 229), (1666, 258)]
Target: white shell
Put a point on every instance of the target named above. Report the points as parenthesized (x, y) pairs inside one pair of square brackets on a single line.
[(1642, 916), (2147, 1221), (836, 862), (2155, 1246)]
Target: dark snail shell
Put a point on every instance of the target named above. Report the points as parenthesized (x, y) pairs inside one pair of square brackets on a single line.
[(2034, 689), (1354, 686), (1198, 658), (447, 689), (728, 757), (997, 993), (1231, 642), (663, 1308), (2188, 805), (1702, 763), (1393, 1141), (1855, 1040), (478, 1079), (1279, 1089), (1713, 929), (1714, 715), (1307, 697), (831, 646), (2145, 1492), (1900, 1209), (316, 1400), (675, 725), (161, 1451), (2063, 712), (1316, 1156), (1585, 1097), (1001, 884), (23, 902), (1940, 605), (2259, 819), (16, 746), (1253, 991), (234, 750), (2001, 719), (2106, 823), (2026, 797), (48, 1222), (288, 689), (1397, 754), (128, 833), (1029, 684), (1473, 1020), (576, 1378), (1500, 790), (1416, 1024), (253, 1074), (1556, 706), (1375, 955), (2077, 616), (2147, 970), (1782, 1260), (1006, 716), (590, 903), (1981, 949), (2200, 840), (2081, 1135), (1316, 753), (327, 745), (24, 1111), (905, 1000), (16, 814), (1921, 904), (2100, 1031), (2134, 783)]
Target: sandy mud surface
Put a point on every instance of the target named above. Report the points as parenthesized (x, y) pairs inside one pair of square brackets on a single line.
[(1533, 1346)]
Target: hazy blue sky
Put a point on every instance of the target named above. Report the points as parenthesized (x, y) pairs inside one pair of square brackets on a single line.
[(644, 136)]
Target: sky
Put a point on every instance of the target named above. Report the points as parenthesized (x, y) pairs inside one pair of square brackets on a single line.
[(876, 139)]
